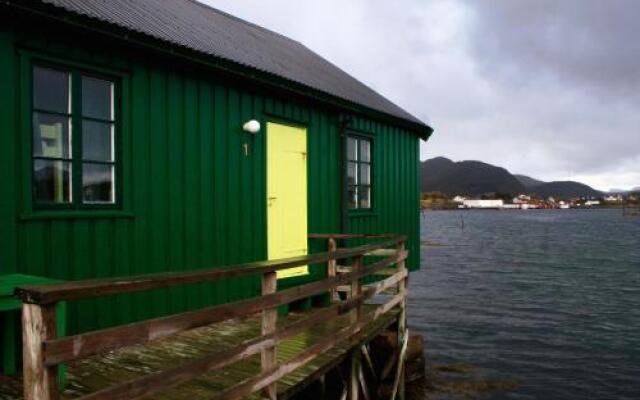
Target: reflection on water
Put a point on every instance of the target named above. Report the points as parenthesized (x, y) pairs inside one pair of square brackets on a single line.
[(532, 304)]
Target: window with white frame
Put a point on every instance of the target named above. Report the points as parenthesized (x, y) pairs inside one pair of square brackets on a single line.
[(73, 138), (358, 172)]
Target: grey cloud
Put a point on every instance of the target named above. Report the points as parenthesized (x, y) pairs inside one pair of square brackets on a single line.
[(546, 88), (590, 43)]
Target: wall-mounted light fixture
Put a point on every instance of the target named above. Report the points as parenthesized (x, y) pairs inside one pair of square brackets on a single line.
[(252, 126)]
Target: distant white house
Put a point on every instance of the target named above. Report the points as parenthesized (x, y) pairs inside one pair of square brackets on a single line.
[(590, 203), (612, 198), (470, 203), (522, 199), (459, 199)]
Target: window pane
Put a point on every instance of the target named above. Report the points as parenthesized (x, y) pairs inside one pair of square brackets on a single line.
[(97, 98), (51, 136), (97, 141), (365, 150), (97, 183), (352, 173), (364, 193), (351, 148), (51, 181), (365, 174), (51, 90), (352, 197)]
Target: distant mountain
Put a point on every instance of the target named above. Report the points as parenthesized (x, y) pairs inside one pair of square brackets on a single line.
[(437, 168), (471, 178), (528, 181), (564, 189), (474, 178)]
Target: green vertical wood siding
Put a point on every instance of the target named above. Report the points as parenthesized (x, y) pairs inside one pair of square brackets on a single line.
[(191, 198), (396, 188)]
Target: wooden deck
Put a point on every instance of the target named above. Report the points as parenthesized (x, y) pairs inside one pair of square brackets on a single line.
[(91, 374), (228, 351)]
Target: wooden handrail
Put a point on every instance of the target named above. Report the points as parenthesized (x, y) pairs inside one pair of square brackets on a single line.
[(91, 343), (253, 385), (47, 294), (159, 381), (351, 236), (44, 351)]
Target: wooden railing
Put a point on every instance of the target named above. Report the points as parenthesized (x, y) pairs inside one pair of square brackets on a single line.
[(43, 351)]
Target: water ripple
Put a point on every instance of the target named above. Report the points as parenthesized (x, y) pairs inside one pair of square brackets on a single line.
[(550, 298)]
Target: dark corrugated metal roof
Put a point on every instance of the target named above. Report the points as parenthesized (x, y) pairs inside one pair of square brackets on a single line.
[(204, 29)]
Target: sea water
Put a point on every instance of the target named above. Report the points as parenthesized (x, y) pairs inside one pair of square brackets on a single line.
[(544, 302)]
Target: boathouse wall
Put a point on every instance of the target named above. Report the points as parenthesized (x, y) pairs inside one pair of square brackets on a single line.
[(191, 194)]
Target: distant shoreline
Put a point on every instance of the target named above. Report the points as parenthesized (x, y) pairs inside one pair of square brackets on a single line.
[(593, 208)]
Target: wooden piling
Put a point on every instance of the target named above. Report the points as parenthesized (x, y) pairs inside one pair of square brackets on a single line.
[(402, 322), (354, 376), (38, 325), (269, 323)]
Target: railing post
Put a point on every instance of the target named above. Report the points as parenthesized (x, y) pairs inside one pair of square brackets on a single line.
[(332, 266), (356, 315), (38, 325), (269, 323), (402, 319), (356, 288)]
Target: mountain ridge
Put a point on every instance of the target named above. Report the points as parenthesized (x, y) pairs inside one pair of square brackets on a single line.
[(474, 178), (528, 181)]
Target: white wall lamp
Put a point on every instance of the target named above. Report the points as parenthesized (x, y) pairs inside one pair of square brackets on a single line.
[(252, 126)]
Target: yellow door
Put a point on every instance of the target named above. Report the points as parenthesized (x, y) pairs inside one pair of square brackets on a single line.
[(287, 194)]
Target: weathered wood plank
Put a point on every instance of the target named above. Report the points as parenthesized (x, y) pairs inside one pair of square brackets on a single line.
[(344, 269), (387, 271), (381, 253), (52, 351), (356, 316), (46, 294), (266, 378), (349, 236), (398, 382), (83, 345), (332, 266), (38, 325), (356, 286), (363, 381), (160, 381), (160, 355), (269, 358), (365, 353), (402, 324), (329, 360), (354, 367)]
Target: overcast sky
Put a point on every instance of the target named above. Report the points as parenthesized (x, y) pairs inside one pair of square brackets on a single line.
[(546, 88)]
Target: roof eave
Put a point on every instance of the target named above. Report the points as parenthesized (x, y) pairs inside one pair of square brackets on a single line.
[(133, 37)]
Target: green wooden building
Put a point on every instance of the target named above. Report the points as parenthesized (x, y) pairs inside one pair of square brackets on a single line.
[(146, 135)]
